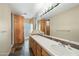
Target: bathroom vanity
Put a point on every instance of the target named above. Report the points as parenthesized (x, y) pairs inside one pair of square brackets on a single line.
[(43, 46), (36, 48)]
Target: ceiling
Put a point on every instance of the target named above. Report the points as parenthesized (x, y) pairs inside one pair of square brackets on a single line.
[(29, 10), (61, 8), (25, 9)]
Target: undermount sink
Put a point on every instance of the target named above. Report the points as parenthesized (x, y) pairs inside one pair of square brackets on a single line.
[(72, 50), (60, 50), (65, 50)]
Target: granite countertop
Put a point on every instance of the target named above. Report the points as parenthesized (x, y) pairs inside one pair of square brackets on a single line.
[(54, 48)]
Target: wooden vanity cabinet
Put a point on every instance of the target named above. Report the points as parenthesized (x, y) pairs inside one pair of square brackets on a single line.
[(33, 46), (44, 53), (39, 50), (30, 42), (36, 48)]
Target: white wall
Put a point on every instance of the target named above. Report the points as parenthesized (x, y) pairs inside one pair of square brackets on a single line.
[(5, 30), (66, 25)]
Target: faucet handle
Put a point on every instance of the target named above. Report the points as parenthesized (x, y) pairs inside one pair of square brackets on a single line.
[(68, 46)]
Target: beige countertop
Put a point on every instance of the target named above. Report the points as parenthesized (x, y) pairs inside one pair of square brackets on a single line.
[(54, 48)]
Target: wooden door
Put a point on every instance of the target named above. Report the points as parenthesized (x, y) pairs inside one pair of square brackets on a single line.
[(18, 29)]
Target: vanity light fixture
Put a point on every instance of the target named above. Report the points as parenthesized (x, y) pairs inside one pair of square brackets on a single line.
[(50, 8)]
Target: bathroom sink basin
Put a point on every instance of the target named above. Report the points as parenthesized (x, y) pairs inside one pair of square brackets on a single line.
[(60, 50), (64, 51), (74, 51)]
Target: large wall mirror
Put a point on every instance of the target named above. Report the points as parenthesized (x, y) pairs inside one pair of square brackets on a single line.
[(44, 26)]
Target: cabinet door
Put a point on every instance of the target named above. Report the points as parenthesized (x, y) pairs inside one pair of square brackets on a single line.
[(44, 53), (30, 42), (34, 48), (39, 50)]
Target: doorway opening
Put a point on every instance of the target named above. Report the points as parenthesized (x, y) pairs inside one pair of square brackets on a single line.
[(28, 28)]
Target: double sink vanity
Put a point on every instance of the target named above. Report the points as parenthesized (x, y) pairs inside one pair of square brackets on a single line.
[(44, 46)]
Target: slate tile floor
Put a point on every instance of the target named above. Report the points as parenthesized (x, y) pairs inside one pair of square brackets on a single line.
[(24, 51)]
